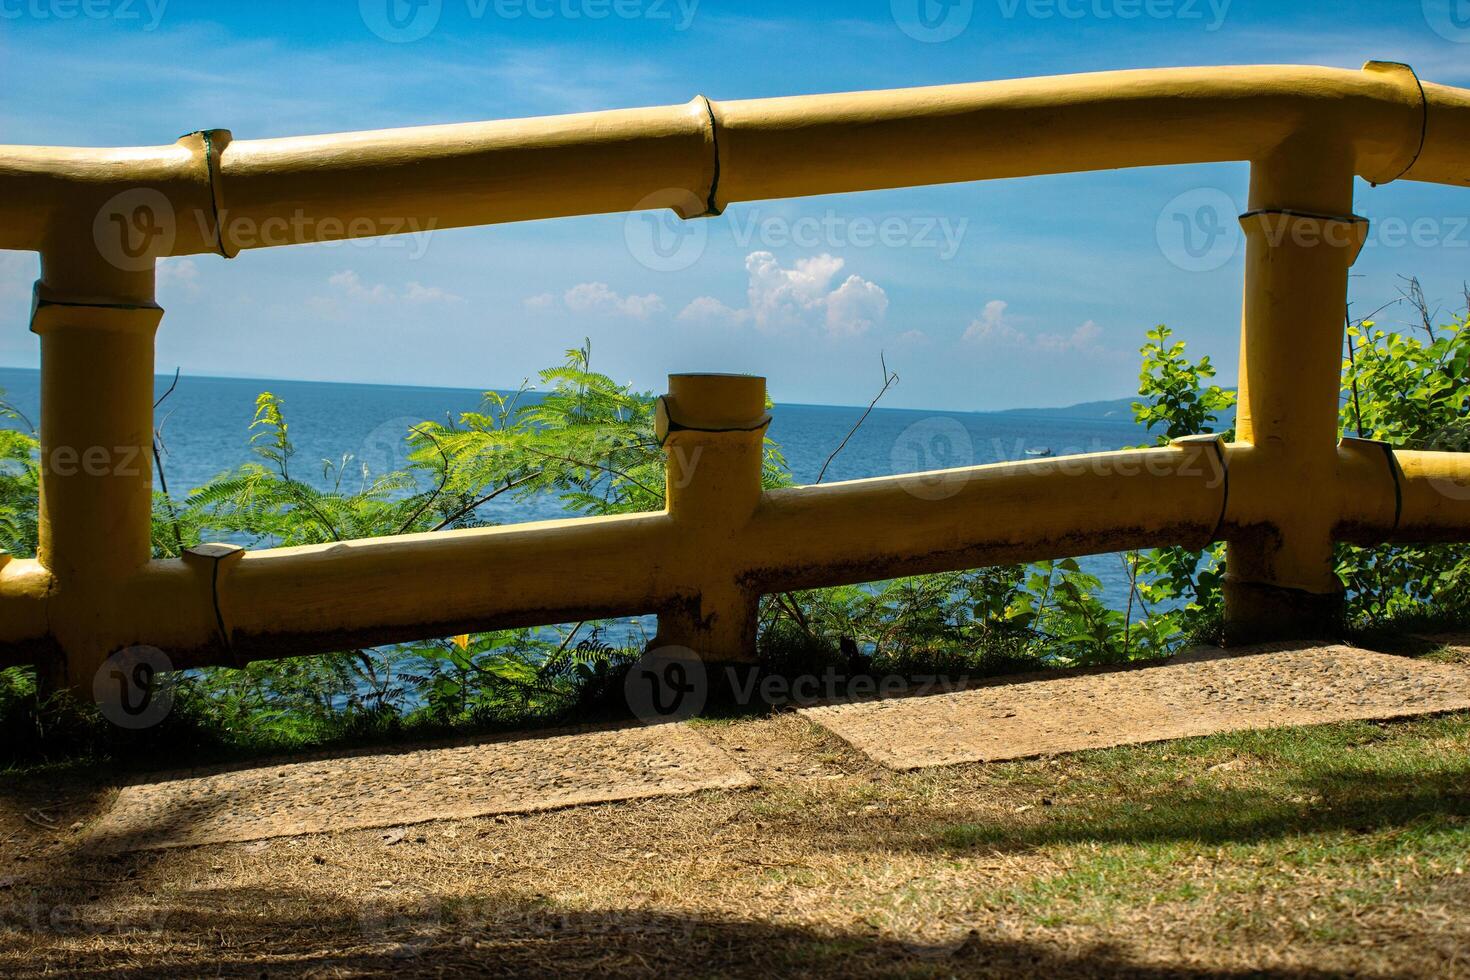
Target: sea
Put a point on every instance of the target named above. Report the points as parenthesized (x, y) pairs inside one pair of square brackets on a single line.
[(205, 426)]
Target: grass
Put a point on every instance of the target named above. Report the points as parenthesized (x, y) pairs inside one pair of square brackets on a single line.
[(1244, 816), (1297, 851), (1339, 848)]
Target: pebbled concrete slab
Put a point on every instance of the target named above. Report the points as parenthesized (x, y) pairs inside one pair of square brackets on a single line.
[(1197, 694), (395, 788)]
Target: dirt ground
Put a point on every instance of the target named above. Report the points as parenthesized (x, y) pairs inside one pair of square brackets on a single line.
[(1208, 857)]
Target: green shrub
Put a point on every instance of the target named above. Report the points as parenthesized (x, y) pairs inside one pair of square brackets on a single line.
[(588, 441)]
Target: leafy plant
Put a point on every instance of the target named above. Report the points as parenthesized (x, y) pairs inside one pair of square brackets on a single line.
[(1411, 390), (586, 441), (1175, 396), (1181, 585), (20, 456)]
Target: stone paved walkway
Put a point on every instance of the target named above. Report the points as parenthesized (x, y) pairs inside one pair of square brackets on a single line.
[(1008, 718), (1200, 694), (337, 793)]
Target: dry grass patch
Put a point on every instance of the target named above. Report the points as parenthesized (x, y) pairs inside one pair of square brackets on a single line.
[(1340, 848)]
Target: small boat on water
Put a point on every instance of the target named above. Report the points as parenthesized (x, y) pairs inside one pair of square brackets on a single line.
[(1038, 453)]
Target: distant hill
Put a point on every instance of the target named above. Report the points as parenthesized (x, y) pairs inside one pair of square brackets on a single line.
[(1114, 410)]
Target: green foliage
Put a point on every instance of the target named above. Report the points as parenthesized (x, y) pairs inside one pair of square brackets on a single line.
[(19, 493), (1179, 586), (947, 622), (1048, 613), (1175, 396), (264, 504), (1409, 391), (20, 456), (587, 441), (1414, 392)]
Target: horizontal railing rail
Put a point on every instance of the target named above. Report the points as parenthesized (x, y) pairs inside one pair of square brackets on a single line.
[(1281, 495)]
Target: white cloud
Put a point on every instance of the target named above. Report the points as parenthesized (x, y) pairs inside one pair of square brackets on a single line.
[(349, 283), (540, 304), (787, 297), (994, 326), (1084, 338), (419, 293), (180, 273), (710, 309), (596, 297), (855, 307), (779, 298)]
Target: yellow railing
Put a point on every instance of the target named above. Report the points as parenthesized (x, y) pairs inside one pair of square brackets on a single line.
[(1280, 496)]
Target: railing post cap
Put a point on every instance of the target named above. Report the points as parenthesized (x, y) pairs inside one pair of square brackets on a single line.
[(1353, 443), (202, 554), (1203, 438), (714, 401)]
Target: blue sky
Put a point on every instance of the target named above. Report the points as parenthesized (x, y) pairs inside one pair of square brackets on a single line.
[(987, 295)]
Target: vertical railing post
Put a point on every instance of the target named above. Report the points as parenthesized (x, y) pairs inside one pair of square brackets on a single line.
[(712, 427), (96, 323), (1301, 238)]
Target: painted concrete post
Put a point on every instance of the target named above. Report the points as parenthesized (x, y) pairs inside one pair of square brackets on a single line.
[(712, 427), (1301, 239), (97, 324)]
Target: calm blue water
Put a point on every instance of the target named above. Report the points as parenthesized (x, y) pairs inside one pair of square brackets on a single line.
[(206, 431)]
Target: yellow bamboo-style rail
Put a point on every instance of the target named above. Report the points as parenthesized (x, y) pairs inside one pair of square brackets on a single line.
[(1281, 495)]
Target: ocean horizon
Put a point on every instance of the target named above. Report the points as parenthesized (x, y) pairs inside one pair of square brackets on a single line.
[(205, 425)]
